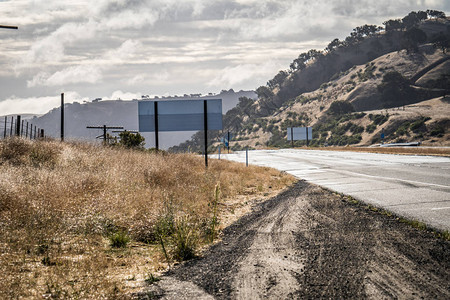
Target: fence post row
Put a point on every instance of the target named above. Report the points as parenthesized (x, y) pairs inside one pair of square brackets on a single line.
[(19, 128)]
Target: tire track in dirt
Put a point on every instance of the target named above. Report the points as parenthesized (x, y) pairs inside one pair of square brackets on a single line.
[(273, 261), (311, 243)]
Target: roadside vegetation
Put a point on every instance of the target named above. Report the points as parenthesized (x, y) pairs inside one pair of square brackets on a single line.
[(85, 221), (375, 69)]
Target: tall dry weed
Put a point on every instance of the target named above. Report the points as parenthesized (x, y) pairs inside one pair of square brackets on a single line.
[(60, 203)]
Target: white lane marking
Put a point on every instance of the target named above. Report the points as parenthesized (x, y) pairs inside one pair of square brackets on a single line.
[(439, 208), (271, 164), (394, 179)]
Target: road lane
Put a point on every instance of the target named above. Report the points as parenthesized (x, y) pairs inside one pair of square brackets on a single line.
[(412, 186)]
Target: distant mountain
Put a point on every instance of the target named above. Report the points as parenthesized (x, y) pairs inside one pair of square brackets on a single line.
[(120, 113), (390, 81)]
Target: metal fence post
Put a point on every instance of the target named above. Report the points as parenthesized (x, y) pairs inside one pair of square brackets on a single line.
[(205, 126), (307, 142), (18, 126), (292, 137), (246, 156)]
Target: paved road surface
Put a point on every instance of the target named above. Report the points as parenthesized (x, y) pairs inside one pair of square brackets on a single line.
[(416, 187)]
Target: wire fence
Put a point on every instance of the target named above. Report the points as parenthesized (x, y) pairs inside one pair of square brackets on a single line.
[(12, 126)]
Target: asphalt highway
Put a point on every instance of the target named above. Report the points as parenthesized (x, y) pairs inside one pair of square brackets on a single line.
[(415, 187)]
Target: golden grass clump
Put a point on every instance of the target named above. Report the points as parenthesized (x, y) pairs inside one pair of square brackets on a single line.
[(84, 221)]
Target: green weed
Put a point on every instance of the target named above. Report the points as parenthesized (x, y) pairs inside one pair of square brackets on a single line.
[(119, 239), (151, 279)]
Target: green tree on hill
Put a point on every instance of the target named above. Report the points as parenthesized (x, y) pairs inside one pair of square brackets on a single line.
[(392, 25), (395, 90), (338, 108), (413, 37), (414, 18), (131, 140), (435, 14)]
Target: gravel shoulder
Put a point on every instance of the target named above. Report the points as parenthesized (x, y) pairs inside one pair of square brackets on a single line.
[(308, 242)]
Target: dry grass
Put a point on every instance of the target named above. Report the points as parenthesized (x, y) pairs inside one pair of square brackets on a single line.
[(61, 203)]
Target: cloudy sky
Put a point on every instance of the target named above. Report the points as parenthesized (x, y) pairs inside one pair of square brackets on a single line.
[(127, 48)]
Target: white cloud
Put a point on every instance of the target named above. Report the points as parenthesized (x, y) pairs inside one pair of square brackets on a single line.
[(36, 105), (130, 19), (172, 46), (238, 75), (159, 77), (70, 75), (124, 52), (52, 48)]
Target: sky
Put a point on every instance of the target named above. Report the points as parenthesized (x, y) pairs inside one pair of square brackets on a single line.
[(128, 48)]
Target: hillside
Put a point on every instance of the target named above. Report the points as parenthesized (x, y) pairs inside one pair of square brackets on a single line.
[(392, 79)]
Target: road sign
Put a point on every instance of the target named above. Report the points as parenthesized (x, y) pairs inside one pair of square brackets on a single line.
[(227, 138), (299, 133)]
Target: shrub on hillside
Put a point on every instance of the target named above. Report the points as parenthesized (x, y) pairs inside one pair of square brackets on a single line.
[(395, 90), (340, 108)]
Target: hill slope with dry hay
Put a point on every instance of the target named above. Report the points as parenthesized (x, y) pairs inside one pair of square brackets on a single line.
[(393, 80)]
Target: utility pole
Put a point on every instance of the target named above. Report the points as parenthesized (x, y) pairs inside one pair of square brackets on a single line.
[(156, 126), (62, 117), (105, 128), (8, 27), (205, 128), (228, 146)]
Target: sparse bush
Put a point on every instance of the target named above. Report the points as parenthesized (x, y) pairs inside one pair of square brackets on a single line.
[(437, 131), (378, 119), (324, 86), (131, 140), (419, 124), (403, 129), (119, 239), (340, 108), (356, 128), (151, 279), (371, 127), (395, 90), (185, 239)]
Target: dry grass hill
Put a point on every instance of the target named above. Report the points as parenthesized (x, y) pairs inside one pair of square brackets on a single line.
[(393, 80)]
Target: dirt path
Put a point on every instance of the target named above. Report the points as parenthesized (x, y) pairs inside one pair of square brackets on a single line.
[(310, 243)]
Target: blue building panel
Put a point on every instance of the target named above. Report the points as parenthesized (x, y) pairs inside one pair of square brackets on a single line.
[(179, 115)]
